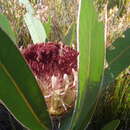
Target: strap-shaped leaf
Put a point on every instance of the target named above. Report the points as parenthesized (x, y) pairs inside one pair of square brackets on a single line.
[(14, 100), (118, 57), (48, 27), (35, 28), (91, 64), (113, 125), (19, 89), (5, 25), (34, 25)]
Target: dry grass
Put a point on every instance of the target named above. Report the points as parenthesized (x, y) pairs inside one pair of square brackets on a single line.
[(116, 18), (14, 12), (63, 13)]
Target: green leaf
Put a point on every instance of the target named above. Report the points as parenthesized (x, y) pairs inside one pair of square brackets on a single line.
[(117, 56), (5, 25), (19, 89), (91, 64), (34, 25), (113, 125), (48, 27), (35, 28)]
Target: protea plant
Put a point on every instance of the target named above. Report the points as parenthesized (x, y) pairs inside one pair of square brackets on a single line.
[(55, 68)]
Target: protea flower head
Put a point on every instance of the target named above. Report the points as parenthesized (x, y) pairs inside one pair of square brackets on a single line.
[(55, 68)]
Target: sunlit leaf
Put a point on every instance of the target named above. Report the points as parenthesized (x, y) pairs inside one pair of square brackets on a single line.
[(91, 64), (48, 27), (35, 28), (5, 25)]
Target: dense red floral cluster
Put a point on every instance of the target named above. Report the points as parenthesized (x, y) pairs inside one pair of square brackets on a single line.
[(55, 68), (49, 59)]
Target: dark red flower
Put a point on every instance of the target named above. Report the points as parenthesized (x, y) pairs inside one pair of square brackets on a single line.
[(54, 66)]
